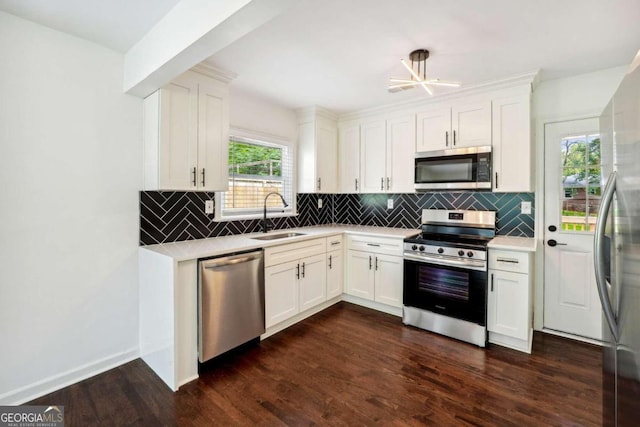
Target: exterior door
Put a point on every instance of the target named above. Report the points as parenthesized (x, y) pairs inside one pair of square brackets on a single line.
[(572, 195)]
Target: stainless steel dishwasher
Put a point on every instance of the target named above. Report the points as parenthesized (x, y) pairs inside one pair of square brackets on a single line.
[(231, 302)]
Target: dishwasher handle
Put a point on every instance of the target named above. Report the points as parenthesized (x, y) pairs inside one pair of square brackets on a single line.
[(224, 262)]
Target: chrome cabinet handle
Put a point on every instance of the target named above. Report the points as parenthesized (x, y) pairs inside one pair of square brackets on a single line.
[(388, 183), (369, 262), (599, 258), (319, 183), (382, 183), (193, 180), (491, 282), (303, 270), (330, 266), (446, 138), (203, 177)]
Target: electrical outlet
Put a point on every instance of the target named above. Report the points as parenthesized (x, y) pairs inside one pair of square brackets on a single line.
[(208, 206), (389, 203), (525, 208), (319, 203)]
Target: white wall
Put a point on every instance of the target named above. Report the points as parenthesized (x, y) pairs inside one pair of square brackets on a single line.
[(70, 172), (580, 96), (257, 114)]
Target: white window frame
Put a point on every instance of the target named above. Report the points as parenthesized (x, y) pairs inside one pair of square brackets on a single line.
[(272, 212)]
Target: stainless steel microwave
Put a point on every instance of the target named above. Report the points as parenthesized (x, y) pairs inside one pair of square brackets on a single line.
[(454, 169)]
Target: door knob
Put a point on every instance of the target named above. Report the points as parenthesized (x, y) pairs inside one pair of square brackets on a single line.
[(553, 243)]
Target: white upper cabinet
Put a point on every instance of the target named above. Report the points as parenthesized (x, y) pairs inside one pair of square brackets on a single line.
[(512, 148), (433, 129), (401, 140), (373, 156), (462, 124), (349, 144), (377, 156), (186, 135), (317, 151), (471, 124)]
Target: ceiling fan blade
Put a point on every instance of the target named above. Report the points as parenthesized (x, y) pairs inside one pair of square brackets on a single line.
[(417, 77), (396, 80), (438, 82), (401, 85)]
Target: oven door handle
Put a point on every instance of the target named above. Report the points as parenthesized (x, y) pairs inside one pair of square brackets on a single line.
[(473, 265)]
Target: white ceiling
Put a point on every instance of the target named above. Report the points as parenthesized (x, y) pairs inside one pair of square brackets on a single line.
[(339, 54), (116, 24)]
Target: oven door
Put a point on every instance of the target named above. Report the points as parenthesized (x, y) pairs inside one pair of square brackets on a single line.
[(453, 169), (450, 291)]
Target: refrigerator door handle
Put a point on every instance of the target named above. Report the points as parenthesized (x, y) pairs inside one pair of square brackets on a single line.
[(598, 255)]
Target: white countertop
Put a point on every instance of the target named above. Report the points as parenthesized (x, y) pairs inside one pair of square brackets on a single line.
[(512, 243), (201, 248)]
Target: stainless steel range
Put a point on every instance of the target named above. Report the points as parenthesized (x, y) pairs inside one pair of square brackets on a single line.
[(445, 274)]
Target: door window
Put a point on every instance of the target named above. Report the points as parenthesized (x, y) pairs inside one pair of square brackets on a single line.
[(581, 178)]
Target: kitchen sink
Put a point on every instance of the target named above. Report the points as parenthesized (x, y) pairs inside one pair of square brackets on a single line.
[(277, 236)]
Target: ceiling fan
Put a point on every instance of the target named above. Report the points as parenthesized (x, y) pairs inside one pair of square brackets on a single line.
[(420, 57)]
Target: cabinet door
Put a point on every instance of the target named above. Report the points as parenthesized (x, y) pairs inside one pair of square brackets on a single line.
[(433, 130), (313, 289), (178, 150), (326, 156), (471, 124), (508, 304), (349, 145), (335, 273), (360, 274), (512, 157), (373, 156), (213, 136), (280, 292), (388, 279), (306, 157), (401, 142)]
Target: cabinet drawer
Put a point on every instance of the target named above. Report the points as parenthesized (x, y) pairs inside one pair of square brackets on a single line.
[(517, 262), (334, 242), (294, 251), (379, 245)]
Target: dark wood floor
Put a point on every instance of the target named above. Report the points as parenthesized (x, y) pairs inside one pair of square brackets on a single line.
[(352, 366)]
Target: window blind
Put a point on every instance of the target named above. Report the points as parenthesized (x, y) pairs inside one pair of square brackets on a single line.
[(257, 168)]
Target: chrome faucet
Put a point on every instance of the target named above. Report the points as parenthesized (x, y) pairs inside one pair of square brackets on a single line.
[(265, 223)]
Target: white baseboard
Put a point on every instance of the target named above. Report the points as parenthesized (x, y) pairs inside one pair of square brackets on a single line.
[(72, 376)]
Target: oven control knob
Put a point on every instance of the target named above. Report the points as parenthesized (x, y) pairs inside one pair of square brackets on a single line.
[(470, 254), (414, 247), (440, 250), (421, 248), (460, 253)]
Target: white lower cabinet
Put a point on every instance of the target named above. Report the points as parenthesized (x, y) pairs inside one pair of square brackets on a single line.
[(281, 292), (335, 273), (301, 276), (388, 279), (509, 308), (375, 274), (312, 285)]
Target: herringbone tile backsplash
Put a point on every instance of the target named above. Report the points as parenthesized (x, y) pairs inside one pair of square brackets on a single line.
[(174, 216)]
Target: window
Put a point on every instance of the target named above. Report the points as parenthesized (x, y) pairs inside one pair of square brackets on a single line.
[(257, 167), (581, 177)]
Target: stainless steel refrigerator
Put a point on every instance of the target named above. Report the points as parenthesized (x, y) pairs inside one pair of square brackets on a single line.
[(617, 252)]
